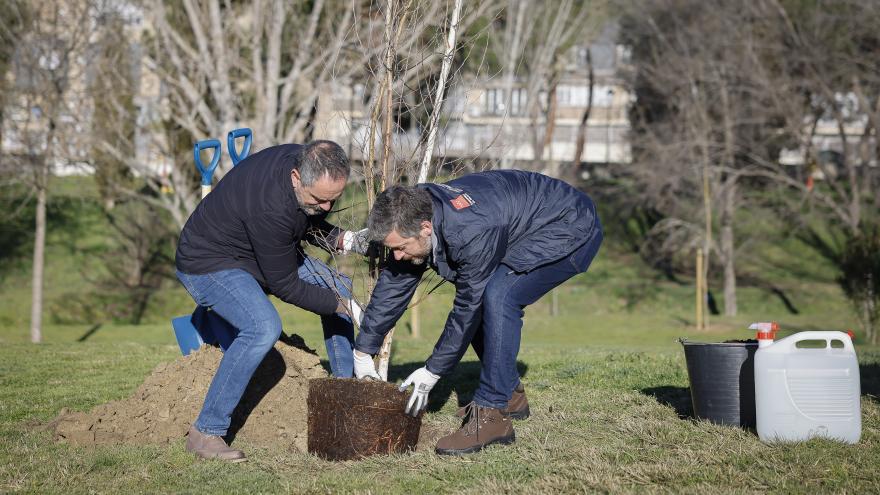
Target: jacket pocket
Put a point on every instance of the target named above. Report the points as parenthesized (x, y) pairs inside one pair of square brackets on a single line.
[(583, 256)]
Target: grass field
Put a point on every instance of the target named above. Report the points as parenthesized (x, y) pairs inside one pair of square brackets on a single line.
[(609, 398), (606, 379)]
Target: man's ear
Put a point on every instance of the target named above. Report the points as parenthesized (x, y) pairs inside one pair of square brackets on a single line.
[(295, 178), (427, 229)]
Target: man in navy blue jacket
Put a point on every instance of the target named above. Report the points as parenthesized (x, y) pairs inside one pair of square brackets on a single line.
[(504, 238), (241, 243)]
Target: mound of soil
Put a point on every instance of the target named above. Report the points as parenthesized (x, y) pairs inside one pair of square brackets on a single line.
[(272, 412)]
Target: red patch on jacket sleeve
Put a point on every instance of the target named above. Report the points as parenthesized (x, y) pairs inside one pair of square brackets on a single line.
[(460, 202)]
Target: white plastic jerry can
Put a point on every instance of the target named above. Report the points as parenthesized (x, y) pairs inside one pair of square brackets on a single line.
[(806, 392)]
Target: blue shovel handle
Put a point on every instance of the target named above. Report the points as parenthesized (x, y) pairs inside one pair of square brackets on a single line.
[(246, 147), (207, 172)]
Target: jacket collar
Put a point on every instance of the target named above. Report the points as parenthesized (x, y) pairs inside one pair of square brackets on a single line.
[(438, 239), (289, 162)]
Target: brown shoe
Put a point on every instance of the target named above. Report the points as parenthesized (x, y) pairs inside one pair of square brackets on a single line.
[(211, 447), (517, 407), (483, 426)]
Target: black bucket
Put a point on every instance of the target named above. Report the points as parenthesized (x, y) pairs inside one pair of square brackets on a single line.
[(722, 377)]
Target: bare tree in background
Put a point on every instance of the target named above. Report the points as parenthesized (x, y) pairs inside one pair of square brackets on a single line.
[(535, 40), (700, 114), (141, 244), (828, 88), (271, 64), (43, 102), (729, 91)]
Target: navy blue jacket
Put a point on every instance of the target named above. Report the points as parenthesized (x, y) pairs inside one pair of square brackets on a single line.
[(253, 221), (522, 220)]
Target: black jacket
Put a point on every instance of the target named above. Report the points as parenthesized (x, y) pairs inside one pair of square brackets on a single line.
[(253, 221), (519, 219)]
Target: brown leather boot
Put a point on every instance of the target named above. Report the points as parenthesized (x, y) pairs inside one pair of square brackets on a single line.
[(483, 426), (517, 406), (211, 447)]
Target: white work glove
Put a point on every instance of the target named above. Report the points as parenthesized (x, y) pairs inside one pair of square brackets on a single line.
[(364, 366), (357, 242), (423, 381)]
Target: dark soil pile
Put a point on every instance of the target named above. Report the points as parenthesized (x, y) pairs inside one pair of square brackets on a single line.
[(272, 412)]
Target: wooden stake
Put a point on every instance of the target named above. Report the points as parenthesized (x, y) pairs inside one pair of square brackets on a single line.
[(385, 355), (699, 279), (391, 46), (415, 322)]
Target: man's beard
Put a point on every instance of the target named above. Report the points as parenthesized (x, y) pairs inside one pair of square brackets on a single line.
[(310, 210), (422, 259)]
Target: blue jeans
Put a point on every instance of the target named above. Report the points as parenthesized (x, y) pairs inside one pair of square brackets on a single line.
[(507, 294), (236, 297), (338, 328)]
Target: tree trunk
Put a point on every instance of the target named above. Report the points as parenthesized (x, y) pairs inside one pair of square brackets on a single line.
[(728, 200), (551, 168), (514, 34), (448, 54), (581, 142), (728, 209), (707, 233), (39, 257)]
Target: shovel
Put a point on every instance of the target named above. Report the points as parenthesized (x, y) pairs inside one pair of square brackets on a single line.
[(204, 326), (245, 148), (206, 171)]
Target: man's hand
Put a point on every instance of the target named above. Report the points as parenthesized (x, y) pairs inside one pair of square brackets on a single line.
[(423, 381), (356, 242), (364, 366)]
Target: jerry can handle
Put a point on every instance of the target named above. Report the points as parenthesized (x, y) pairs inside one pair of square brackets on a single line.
[(827, 336)]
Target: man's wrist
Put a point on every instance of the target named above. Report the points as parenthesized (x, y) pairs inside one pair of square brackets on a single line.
[(429, 370)]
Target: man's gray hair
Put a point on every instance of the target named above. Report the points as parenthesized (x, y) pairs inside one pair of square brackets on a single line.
[(320, 158), (401, 209)]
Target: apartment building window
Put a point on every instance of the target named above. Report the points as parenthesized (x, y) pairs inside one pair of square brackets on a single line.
[(495, 104), (571, 95)]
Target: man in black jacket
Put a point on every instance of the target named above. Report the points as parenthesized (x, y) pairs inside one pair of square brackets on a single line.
[(504, 238), (241, 243)]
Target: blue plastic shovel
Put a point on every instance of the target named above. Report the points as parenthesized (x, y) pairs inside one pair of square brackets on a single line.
[(245, 148), (204, 326), (207, 172)]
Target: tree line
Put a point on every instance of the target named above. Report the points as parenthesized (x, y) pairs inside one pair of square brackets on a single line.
[(731, 111)]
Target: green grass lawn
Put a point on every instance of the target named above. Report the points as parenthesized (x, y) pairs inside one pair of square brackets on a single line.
[(608, 389), (605, 376)]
